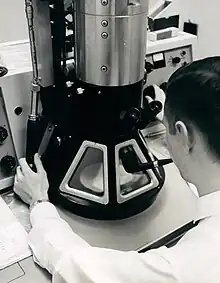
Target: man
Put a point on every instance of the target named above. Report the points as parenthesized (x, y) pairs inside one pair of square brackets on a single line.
[(192, 118)]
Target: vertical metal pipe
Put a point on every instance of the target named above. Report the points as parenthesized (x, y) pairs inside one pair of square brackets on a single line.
[(35, 82)]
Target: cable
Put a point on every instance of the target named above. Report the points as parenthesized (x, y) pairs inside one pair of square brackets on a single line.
[(3, 71)]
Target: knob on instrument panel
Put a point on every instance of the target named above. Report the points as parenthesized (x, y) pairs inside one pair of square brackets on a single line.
[(8, 164), (3, 134), (176, 60), (149, 67)]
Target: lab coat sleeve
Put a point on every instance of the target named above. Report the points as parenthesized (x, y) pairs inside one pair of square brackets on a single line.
[(98, 265), (70, 259), (51, 236)]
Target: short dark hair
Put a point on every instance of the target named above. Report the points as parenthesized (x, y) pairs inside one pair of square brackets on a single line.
[(193, 96)]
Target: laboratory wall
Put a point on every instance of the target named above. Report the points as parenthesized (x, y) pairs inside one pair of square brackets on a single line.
[(206, 15), (12, 20)]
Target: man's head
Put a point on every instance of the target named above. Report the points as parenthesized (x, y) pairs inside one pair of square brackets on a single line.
[(192, 116)]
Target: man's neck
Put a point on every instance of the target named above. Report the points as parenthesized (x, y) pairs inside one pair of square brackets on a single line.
[(208, 180)]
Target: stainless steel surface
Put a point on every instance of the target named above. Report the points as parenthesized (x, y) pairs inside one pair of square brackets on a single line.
[(113, 7), (31, 12), (42, 31), (110, 54), (35, 95), (30, 16)]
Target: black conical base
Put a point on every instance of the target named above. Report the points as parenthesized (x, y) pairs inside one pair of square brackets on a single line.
[(108, 212), (97, 116)]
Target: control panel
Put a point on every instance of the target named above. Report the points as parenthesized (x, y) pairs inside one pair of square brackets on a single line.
[(8, 160), (162, 64), (163, 58)]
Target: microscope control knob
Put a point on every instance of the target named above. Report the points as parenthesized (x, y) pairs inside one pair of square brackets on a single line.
[(176, 60), (8, 164), (150, 92), (163, 86), (3, 134), (155, 107), (149, 67)]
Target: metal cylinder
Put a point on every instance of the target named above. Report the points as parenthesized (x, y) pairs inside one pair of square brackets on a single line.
[(110, 41)]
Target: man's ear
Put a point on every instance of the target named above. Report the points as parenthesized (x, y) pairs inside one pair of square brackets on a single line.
[(185, 135)]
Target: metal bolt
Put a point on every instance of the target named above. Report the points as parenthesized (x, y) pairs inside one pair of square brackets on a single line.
[(104, 69), (104, 35), (104, 23), (104, 2), (58, 141), (35, 87), (80, 90), (69, 83)]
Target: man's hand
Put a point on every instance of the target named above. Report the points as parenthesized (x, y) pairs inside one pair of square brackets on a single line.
[(31, 186)]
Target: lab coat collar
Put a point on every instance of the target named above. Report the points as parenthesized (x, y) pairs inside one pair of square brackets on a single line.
[(207, 206)]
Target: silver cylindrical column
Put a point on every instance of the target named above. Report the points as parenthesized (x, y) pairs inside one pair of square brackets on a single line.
[(110, 41)]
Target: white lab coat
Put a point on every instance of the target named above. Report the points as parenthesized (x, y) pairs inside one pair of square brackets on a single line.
[(195, 259)]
